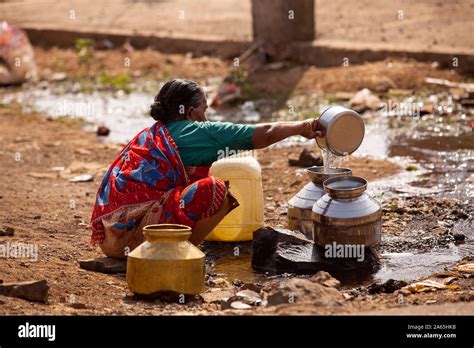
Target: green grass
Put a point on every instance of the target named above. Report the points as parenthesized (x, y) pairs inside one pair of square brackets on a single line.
[(118, 82)]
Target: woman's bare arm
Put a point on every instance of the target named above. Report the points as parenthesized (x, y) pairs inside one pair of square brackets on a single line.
[(267, 134)]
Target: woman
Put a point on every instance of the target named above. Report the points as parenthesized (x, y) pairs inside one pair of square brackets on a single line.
[(162, 174)]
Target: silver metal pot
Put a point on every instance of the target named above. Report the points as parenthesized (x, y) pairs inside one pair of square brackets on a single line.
[(346, 214), (300, 205), (343, 130)]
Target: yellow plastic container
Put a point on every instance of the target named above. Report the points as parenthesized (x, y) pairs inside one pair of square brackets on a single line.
[(245, 178)]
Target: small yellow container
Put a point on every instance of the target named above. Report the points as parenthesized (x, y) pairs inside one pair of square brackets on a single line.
[(245, 179), (166, 262)]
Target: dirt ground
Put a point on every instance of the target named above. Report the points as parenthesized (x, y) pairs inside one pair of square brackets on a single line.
[(147, 65), (421, 25), (46, 209)]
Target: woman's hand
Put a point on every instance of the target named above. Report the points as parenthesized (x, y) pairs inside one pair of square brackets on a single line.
[(308, 129)]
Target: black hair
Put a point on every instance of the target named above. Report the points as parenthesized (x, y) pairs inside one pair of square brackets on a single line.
[(175, 98)]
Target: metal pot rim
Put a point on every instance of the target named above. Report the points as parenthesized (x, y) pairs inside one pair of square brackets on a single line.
[(345, 192), (158, 232), (316, 173)]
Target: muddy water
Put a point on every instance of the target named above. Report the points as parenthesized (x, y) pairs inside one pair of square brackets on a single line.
[(441, 149), (124, 114)]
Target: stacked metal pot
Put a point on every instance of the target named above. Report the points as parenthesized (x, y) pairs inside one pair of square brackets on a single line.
[(334, 207)]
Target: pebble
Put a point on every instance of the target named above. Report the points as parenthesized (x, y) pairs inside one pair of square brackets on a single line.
[(7, 231)]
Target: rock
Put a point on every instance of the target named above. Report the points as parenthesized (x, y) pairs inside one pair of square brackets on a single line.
[(217, 295), (65, 257), (7, 231), (240, 305), (237, 282), (305, 291), (347, 296), (306, 159), (251, 286), (278, 250), (220, 282), (103, 131), (57, 76), (82, 178), (364, 100), (460, 214), (465, 268), (249, 296), (388, 287), (36, 291), (324, 278), (77, 305), (427, 109), (403, 291), (104, 265), (265, 244), (459, 237), (467, 103)]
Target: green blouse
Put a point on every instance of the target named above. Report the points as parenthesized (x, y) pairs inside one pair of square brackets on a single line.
[(202, 143)]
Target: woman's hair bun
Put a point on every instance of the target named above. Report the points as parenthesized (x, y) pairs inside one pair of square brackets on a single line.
[(174, 100), (157, 111)]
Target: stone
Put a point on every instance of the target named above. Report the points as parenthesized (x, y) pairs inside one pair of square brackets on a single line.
[(251, 286), (104, 265), (324, 278), (388, 287), (237, 282), (82, 178), (298, 290), (103, 131), (240, 305), (278, 250), (364, 100), (7, 231), (36, 291), (217, 295), (249, 296), (265, 244), (403, 291), (307, 158), (77, 305), (459, 237)]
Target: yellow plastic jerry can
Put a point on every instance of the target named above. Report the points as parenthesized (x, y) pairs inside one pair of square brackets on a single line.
[(245, 183)]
